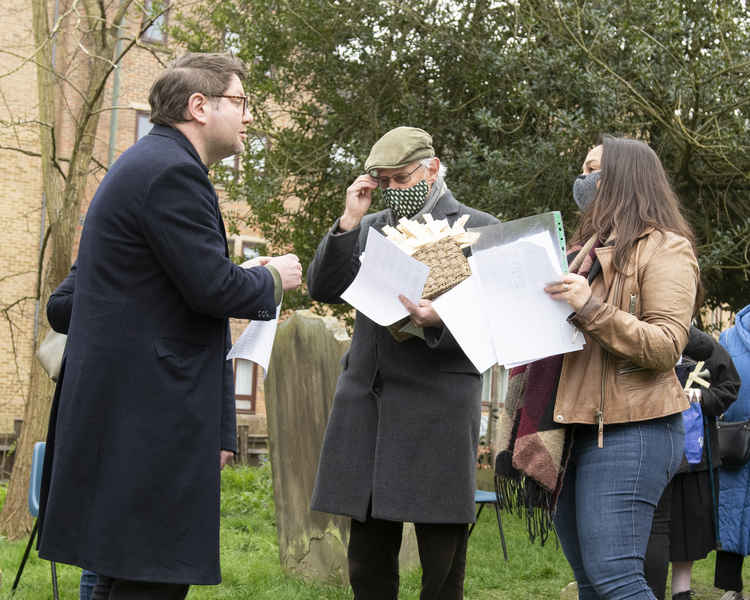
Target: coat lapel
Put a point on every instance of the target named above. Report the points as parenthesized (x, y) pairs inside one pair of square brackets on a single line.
[(446, 207)]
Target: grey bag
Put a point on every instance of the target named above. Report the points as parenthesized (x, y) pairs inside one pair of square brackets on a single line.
[(50, 353)]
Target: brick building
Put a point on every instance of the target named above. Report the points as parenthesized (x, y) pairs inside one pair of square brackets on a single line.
[(21, 210)]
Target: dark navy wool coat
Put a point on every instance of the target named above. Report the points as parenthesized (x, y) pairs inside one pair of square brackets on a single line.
[(144, 403), (404, 427)]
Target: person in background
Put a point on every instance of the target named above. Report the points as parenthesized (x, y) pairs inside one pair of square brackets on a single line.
[(687, 503), (59, 309), (401, 441), (632, 297), (734, 484)]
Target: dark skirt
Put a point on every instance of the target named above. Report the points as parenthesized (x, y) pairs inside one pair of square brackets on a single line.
[(692, 532)]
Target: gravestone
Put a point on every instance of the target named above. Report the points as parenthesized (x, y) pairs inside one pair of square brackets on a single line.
[(299, 389)]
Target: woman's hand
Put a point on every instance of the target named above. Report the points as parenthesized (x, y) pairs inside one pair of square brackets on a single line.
[(572, 288)]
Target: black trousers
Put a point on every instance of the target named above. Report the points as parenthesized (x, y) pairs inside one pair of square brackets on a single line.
[(656, 563), (728, 572), (123, 589), (373, 559)]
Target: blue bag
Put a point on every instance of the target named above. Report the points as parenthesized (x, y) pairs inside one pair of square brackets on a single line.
[(692, 419)]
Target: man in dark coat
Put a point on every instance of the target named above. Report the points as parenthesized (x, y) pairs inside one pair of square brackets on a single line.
[(402, 436), (143, 416)]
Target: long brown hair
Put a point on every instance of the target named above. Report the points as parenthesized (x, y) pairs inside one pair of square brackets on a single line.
[(634, 194)]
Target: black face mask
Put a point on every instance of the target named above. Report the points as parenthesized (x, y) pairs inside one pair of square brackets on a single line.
[(584, 189)]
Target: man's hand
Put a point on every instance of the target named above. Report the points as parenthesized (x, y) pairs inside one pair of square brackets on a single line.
[(224, 457), (258, 261), (422, 313), (290, 270), (358, 200)]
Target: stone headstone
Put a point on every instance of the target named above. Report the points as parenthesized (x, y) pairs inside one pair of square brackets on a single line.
[(302, 376)]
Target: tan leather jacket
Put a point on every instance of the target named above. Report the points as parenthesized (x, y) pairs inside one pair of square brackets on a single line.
[(634, 336)]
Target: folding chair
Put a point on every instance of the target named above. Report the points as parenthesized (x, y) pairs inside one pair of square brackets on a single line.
[(35, 483), (481, 497)]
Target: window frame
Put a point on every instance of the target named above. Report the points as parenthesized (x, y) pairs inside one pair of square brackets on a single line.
[(138, 115), (151, 38), (251, 398)]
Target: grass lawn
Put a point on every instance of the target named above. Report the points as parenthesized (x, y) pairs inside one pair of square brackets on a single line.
[(250, 562)]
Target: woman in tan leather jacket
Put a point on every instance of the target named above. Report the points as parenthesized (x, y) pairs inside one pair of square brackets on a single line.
[(620, 392)]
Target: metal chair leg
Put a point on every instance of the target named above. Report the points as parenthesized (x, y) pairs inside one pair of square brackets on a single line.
[(55, 593), (500, 527), (23, 560), (479, 512)]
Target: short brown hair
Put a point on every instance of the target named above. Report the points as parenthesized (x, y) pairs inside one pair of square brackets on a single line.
[(206, 73)]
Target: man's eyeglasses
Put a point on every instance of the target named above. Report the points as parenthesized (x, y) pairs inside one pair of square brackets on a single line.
[(243, 98), (400, 178)]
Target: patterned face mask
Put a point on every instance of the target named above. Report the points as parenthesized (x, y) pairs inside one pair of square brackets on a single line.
[(406, 202)]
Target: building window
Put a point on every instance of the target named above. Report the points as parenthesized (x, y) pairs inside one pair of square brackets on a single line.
[(245, 386), (250, 250), (231, 166), (157, 32), (143, 124)]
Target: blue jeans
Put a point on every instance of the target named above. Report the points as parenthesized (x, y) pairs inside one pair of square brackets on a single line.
[(609, 494)]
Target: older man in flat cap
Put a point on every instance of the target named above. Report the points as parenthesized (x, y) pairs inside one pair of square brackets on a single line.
[(402, 437)]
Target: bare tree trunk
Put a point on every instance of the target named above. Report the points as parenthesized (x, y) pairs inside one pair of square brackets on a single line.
[(63, 210), (15, 520)]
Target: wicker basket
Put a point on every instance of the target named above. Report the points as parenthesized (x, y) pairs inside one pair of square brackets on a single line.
[(448, 266)]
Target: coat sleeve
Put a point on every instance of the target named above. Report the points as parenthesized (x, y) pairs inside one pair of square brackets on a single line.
[(335, 265), (668, 285), (228, 411), (60, 303), (725, 383), (181, 223), (440, 338)]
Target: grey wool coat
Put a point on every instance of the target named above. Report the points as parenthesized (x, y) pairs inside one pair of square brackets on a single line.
[(404, 427)]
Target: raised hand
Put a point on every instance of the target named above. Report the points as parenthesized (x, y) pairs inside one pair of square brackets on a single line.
[(358, 200), (290, 270)]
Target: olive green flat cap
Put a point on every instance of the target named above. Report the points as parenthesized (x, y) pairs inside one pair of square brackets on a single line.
[(399, 147)]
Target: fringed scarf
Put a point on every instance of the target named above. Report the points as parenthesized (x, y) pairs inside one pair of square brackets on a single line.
[(530, 465)]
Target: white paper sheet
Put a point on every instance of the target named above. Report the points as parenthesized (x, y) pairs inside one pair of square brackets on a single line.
[(385, 273), (256, 342), (525, 323), (461, 312)]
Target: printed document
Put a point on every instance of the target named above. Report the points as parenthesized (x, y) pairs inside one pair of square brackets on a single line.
[(386, 272), (524, 322), (462, 313), (256, 342)]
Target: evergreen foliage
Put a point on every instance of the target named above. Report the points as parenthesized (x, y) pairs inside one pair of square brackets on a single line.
[(514, 94)]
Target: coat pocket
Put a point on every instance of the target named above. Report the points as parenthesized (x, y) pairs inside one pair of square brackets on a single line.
[(181, 359), (457, 364)]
